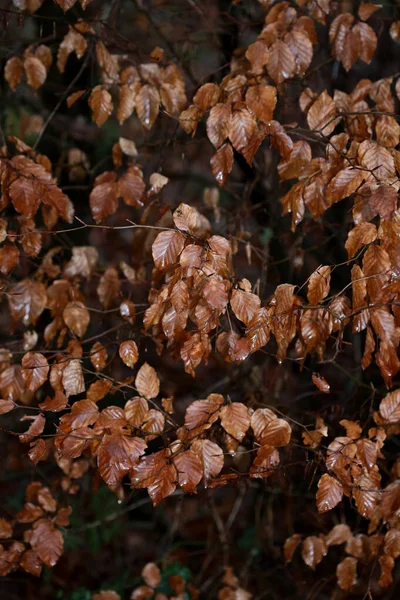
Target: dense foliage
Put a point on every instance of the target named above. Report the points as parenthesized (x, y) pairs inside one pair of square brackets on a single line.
[(199, 394)]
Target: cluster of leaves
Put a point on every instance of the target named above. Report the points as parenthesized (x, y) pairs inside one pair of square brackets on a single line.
[(342, 146)]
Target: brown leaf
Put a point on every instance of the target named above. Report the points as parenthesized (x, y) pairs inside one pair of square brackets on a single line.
[(76, 317), (157, 182), (242, 129), (330, 493), (101, 105), (127, 100), (74, 97), (72, 378), (46, 500), (148, 105), (203, 413), (35, 71), (321, 383), (131, 186), (189, 470), (345, 183), (378, 159), (361, 235), (83, 261), (366, 493), (166, 248), (13, 71), (72, 445), (266, 460), (153, 424), (6, 406), (395, 31), (260, 419), (104, 196), (47, 542), (367, 41), (207, 96), (9, 258), (353, 429), (222, 163), (319, 285), (211, 457), (392, 543), (186, 218), (386, 563), (366, 10), (218, 124), (281, 62), (313, 550), (216, 294), (244, 305), (147, 382), (12, 384), (62, 516), (109, 287), (292, 167), (277, 433), (98, 389), (346, 572), (302, 49), (261, 101), (235, 419), (117, 454), (98, 356), (383, 201), (129, 353), (156, 474), (189, 119), (6, 529), (389, 407), (35, 370), (290, 546), (321, 115), (339, 534), (83, 413), (31, 563), (257, 54), (29, 513), (136, 410), (151, 575)]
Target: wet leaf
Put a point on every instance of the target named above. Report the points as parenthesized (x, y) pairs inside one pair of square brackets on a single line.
[(329, 494)]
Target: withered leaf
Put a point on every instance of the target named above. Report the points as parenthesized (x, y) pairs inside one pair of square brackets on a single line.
[(166, 248), (35, 370), (346, 573), (147, 382), (76, 317), (235, 419), (129, 353), (222, 163), (329, 494), (313, 550), (211, 457), (319, 285), (47, 542), (101, 104)]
